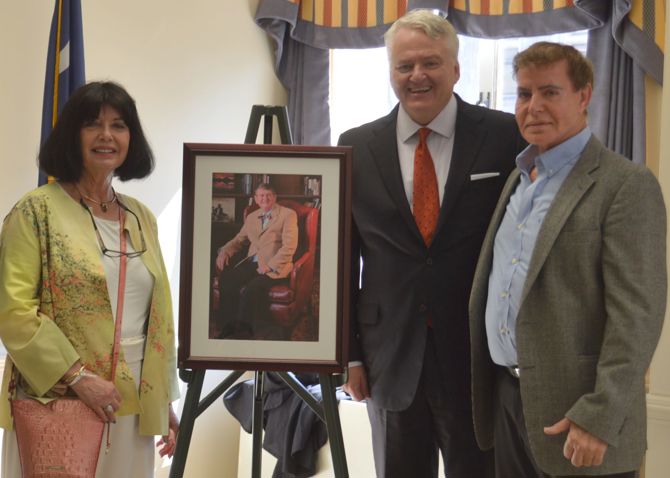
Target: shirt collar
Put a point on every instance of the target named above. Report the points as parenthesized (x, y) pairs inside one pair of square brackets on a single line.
[(263, 214), (443, 124), (554, 159)]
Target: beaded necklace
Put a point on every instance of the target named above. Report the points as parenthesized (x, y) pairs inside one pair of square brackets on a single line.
[(104, 205)]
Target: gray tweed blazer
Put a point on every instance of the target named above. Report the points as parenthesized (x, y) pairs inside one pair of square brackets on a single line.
[(591, 312)]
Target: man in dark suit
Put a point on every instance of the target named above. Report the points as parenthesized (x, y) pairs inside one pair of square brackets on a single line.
[(419, 241), (270, 236), (569, 295)]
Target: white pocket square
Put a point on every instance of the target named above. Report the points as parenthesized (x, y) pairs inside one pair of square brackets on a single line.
[(478, 176)]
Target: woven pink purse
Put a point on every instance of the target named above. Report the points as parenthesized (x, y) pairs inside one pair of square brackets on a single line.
[(61, 439), (58, 440)]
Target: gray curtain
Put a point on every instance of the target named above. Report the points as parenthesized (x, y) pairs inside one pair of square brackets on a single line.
[(622, 53), (639, 40), (302, 69), (304, 72), (617, 110)]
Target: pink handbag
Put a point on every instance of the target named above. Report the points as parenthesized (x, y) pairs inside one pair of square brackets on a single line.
[(61, 439)]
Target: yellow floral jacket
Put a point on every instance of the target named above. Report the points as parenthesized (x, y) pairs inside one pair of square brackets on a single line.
[(55, 308)]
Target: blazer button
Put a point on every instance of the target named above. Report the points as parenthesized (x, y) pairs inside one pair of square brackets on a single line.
[(423, 308), (429, 261)]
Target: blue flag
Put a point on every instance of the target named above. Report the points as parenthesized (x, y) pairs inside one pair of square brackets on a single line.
[(65, 64)]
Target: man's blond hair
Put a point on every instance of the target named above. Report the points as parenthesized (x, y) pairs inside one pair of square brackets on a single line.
[(433, 25)]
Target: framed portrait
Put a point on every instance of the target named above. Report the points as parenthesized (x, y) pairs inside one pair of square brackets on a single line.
[(265, 257)]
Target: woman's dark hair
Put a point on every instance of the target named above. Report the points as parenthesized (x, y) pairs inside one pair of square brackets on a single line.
[(60, 155)]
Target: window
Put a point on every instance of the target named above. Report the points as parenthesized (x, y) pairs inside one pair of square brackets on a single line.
[(360, 90)]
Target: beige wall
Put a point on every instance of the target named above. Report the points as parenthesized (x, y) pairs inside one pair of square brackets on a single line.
[(658, 459), (195, 69)]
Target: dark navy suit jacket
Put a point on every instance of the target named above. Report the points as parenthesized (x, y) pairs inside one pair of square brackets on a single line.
[(403, 281)]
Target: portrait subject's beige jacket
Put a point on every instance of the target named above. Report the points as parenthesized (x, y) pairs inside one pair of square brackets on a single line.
[(276, 244)]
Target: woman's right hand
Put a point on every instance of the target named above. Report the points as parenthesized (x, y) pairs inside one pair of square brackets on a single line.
[(99, 394)]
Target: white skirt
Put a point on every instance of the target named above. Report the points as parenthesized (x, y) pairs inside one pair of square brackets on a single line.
[(131, 455)]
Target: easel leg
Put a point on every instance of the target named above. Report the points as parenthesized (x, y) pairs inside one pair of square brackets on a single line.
[(195, 379), (333, 426), (257, 426)]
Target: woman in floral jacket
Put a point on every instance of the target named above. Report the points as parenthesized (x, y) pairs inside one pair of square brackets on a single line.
[(60, 251)]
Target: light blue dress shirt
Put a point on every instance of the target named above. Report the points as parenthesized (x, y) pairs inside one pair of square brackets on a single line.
[(515, 240), (265, 220)]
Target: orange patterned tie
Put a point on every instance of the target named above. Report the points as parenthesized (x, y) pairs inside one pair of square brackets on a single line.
[(425, 196)]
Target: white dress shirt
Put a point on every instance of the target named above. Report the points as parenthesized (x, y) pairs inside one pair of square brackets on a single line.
[(440, 144)]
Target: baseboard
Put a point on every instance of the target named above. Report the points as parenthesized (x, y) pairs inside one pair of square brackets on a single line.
[(658, 407)]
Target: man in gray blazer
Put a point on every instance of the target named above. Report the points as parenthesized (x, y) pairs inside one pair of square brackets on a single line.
[(409, 345), (569, 294)]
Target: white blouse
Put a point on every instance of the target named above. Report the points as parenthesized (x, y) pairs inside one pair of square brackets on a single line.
[(139, 282)]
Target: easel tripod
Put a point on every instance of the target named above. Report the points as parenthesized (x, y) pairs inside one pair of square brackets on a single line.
[(193, 406)]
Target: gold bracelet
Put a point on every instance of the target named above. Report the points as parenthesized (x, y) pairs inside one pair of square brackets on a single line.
[(84, 373), (75, 377)]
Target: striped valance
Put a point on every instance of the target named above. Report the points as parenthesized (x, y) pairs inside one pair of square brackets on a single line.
[(648, 16), (373, 13), (362, 23), (509, 7), (339, 23), (513, 18), (638, 25), (351, 13)]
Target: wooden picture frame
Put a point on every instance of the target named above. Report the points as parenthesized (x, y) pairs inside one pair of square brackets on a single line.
[(219, 182)]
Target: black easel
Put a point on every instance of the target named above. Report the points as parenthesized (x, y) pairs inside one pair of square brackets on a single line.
[(193, 407)]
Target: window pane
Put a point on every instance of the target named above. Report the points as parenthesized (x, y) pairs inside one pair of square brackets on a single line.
[(360, 90), (504, 90)]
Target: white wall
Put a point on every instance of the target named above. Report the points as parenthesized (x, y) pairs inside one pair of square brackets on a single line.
[(194, 67)]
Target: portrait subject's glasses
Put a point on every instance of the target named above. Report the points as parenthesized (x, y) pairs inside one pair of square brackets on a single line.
[(111, 252)]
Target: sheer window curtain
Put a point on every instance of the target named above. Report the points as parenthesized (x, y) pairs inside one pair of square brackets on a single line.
[(625, 42)]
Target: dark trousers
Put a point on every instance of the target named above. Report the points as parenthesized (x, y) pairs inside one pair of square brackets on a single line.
[(244, 299), (513, 458), (406, 443)]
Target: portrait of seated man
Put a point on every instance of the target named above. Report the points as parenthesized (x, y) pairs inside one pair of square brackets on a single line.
[(270, 236)]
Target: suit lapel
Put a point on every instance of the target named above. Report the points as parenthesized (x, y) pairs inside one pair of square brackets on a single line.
[(575, 186), (480, 285), (384, 149), (274, 217), (468, 138), (257, 223)]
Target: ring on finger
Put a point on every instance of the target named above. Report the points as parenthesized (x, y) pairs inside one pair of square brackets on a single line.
[(109, 408)]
